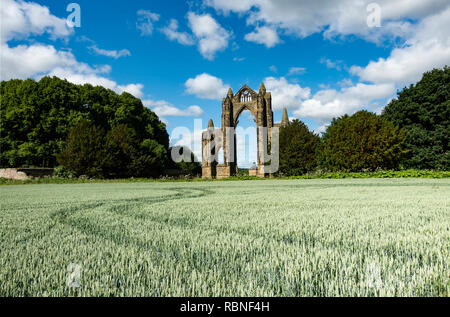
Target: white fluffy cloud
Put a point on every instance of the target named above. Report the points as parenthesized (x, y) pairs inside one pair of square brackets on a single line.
[(427, 49), (28, 61), (207, 33), (172, 33), (166, 109), (110, 53), (39, 60), (285, 94), (263, 35), (329, 103), (344, 17), (19, 19), (145, 22), (134, 89), (210, 35), (83, 74), (206, 86)]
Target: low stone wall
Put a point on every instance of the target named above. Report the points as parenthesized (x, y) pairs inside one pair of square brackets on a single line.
[(25, 173)]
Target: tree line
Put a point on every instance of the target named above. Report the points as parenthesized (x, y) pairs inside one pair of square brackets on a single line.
[(88, 130), (413, 132), (93, 131)]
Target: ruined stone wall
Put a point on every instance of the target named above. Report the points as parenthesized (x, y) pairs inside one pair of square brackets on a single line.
[(260, 105)]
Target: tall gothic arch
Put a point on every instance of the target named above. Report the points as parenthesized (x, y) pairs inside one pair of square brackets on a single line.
[(260, 105)]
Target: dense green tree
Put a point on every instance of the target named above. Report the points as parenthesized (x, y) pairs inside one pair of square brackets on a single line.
[(85, 152), (424, 110), (37, 116), (127, 157), (363, 141), (121, 152), (152, 159), (298, 148)]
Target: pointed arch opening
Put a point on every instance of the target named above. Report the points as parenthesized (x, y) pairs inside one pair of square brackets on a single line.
[(246, 140)]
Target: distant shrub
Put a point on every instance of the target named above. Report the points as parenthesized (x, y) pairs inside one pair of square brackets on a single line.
[(298, 147), (362, 142), (62, 172), (84, 153)]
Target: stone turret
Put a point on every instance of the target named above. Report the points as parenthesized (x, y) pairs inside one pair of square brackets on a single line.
[(208, 153), (285, 119), (230, 93), (262, 90)]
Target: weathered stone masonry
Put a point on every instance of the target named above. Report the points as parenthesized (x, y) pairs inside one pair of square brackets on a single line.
[(260, 105)]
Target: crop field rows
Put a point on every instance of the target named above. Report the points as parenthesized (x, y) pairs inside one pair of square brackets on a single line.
[(353, 237)]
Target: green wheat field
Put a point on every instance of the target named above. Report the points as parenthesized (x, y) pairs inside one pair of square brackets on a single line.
[(351, 237)]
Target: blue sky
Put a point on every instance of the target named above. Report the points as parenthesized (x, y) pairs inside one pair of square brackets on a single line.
[(319, 59)]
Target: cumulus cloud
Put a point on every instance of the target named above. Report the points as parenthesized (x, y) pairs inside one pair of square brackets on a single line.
[(110, 53), (145, 22), (166, 109), (28, 61), (429, 48), (80, 74), (172, 33), (334, 18), (285, 94), (420, 25), (211, 37), (38, 60), (226, 6), (263, 35), (330, 103), (134, 89), (206, 86), (207, 33), (19, 19)]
